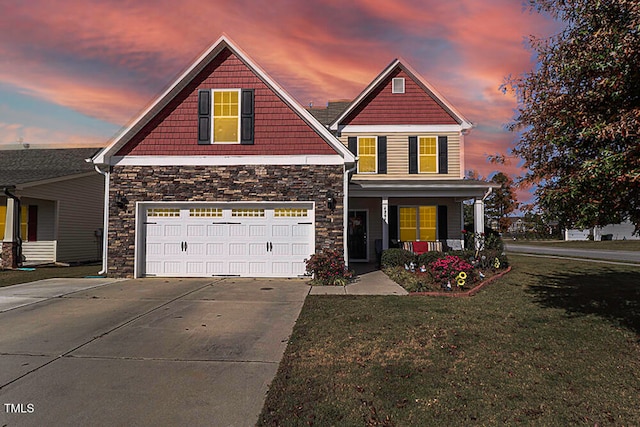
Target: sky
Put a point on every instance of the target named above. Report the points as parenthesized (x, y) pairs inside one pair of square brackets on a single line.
[(74, 72)]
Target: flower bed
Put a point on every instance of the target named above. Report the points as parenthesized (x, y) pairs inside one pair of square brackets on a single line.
[(447, 273)]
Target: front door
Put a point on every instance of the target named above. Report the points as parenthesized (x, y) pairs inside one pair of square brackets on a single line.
[(357, 237)]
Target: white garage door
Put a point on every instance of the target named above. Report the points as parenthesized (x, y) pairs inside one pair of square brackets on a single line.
[(254, 240)]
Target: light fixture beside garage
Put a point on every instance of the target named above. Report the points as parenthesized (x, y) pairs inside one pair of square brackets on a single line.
[(121, 201), (331, 201)]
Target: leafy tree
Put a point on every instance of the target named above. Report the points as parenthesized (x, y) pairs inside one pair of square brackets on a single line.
[(579, 113), (467, 207), (502, 201)]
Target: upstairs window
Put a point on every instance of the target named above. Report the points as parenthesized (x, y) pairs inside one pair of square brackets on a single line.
[(428, 154), (397, 85), (225, 116), (367, 152), (226, 119)]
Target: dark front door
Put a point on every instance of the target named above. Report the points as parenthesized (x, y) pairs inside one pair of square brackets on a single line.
[(32, 223), (357, 237)]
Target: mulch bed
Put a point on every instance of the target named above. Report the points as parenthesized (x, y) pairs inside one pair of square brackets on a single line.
[(469, 293)]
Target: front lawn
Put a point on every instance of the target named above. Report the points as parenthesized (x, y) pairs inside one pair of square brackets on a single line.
[(13, 277), (609, 245), (554, 342)]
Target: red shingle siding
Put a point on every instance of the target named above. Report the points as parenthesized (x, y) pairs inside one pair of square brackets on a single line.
[(278, 129), (414, 107)]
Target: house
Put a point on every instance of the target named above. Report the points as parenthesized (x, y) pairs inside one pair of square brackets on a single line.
[(226, 174), (409, 182), (51, 206), (622, 231)]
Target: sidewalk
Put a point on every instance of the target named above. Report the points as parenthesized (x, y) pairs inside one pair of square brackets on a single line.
[(368, 283)]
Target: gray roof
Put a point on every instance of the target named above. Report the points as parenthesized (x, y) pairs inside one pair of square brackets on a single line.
[(419, 187), (326, 115), (31, 165)]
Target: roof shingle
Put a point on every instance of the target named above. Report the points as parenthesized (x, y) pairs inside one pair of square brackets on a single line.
[(31, 165)]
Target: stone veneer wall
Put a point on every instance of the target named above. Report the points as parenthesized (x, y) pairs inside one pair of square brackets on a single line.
[(9, 255), (217, 184)]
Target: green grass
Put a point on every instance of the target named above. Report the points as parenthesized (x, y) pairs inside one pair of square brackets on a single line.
[(619, 245), (13, 277), (554, 342)]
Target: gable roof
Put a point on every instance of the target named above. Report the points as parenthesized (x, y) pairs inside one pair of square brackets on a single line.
[(326, 115), (189, 75), (25, 166), (418, 79)]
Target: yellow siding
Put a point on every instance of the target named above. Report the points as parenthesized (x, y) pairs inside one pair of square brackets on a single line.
[(398, 155)]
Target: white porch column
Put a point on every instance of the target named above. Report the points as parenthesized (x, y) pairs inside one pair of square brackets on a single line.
[(478, 220), (385, 223), (462, 224), (10, 221)]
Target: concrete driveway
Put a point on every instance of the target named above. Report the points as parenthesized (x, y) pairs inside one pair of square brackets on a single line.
[(145, 351)]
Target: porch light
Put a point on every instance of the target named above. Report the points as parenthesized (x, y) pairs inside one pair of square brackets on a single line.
[(121, 201)]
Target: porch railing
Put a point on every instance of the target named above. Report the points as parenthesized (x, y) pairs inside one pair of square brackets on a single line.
[(43, 251)]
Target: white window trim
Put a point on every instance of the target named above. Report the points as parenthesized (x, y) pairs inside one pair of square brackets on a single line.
[(437, 155), (376, 155), (213, 118), (393, 85)]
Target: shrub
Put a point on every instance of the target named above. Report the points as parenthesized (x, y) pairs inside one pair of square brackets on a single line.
[(429, 257), (327, 268), (396, 257), (490, 239)]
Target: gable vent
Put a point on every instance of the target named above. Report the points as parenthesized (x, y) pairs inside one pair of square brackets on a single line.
[(397, 85)]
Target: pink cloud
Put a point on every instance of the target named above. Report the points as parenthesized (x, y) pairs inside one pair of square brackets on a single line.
[(15, 133), (109, 59)]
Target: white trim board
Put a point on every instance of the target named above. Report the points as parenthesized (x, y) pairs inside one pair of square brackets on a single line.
[(404, 129), (226, 160)]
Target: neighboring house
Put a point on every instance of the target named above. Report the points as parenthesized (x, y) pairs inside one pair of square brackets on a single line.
[(51, 206), (226, 174), (623, 231)]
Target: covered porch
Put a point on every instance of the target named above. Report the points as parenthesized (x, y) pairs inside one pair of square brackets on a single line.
[(386, 213), (27, 229)]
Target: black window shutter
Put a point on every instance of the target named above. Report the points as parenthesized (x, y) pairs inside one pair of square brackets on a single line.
[(247, 117), (393, 224), (204, 117), (443, 155), (353, 145), (413, 154), (382, 154), (442, 223)]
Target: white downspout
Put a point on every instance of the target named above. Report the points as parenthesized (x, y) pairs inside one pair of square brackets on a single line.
[(489, 191), (345, 212), (105, 225), (478, 217)]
